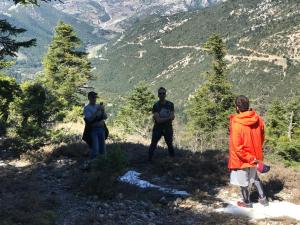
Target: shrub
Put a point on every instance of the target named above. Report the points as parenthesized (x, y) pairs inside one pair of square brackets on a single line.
[(290, 150), (105, 171), (75, 114)]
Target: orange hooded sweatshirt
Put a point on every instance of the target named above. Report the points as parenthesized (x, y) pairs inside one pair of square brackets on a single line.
[(246, 140)]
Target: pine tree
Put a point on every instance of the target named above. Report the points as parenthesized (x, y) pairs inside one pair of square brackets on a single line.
[(276, 122), (35, 2), (66, 70), (8, 45), (8, 89), (210, 105), (135, 116), (283, 129), (28, 112)]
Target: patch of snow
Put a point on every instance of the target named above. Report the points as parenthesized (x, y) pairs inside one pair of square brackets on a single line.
[(275, 209), (132, 177), (2, 164), (19, 163)]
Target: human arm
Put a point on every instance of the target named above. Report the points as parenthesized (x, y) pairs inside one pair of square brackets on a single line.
[(164, 114), (158, 119), (91, 116)]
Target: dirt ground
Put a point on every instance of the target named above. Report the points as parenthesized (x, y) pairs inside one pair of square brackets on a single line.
[(46, 188)]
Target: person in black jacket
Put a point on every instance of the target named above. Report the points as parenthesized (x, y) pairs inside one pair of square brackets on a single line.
[(163, 115), (95, 129)]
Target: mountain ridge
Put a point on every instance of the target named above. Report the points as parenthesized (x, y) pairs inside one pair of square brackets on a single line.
[(95, 21), (263, 55)]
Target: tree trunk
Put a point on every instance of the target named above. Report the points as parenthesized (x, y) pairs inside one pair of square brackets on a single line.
[(290, 127)]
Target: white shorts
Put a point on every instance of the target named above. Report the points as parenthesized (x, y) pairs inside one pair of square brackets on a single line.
[(243, 177)]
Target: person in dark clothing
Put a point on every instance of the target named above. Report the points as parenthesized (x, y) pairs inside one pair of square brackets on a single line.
[(94, 133), (163, 115)]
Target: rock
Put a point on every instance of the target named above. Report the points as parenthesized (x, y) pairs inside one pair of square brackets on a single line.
[(163, 201)]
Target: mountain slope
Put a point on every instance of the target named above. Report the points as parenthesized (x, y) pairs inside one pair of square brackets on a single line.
[(40, 23), (117, 15), (95, 21), (262, 38)]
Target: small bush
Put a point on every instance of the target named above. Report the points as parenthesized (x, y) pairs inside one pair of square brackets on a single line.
[(105, 171), (74, 115), (289, 151)]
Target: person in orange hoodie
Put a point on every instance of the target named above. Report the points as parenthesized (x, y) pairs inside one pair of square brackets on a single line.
[(245, 150)]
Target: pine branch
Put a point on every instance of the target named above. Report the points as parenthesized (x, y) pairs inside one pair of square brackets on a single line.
[(35, 2)]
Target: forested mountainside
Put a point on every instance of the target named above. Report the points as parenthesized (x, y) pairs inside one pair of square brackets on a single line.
[(95, 21), (262, 37)]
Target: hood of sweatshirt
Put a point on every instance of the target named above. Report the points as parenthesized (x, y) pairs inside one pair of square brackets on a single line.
[(247, 118)]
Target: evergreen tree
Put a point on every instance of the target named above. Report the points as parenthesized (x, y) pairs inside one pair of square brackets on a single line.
[(8, 45), (66, 70), (29, 110), (8, 89), (283, 129), (276, 122), (35, 2), (210, 105), (135, 116)]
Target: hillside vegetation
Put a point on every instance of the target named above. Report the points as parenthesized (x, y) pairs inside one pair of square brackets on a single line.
[(261, 37)]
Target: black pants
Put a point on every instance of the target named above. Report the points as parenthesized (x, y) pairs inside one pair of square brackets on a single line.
[(157, 133), (245, 190)]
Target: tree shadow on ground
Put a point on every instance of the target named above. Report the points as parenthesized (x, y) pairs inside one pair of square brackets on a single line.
[(271, 187), (44, 194), (58, 182), (202, 174), (12, 148)]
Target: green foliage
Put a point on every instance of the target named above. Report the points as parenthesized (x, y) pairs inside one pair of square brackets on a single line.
[(29, 110), (166, 53), (276, 122), (74, 114), (8, 45), (209, 107), (66, 70), (289, 150), (105, 172), (8, 89), (283, 129), (135, 115), (35, 2)]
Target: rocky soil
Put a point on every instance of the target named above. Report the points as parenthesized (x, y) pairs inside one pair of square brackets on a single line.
[(48, 191)]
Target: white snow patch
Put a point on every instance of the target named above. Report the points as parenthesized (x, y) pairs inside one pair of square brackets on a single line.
[(132, 177), (3, 164), (275, 209)]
